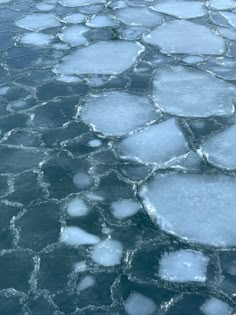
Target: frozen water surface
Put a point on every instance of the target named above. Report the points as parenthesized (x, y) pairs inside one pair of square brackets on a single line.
[(222, 4), (78, 3), (77, 208), (38, 21), (124, 208), (37, 39), (107, 253), (73, 35), (75, 236), (216, 307), (74, 18), (138, 304)]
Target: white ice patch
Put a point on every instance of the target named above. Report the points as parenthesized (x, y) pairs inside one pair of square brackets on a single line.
[(94, 143), (156, 144), (44, 6), (188, 92), (222, 4), (80, 266), (73, 35), (75, 236), (181, 9), (183, 37), (99, 21), (77, 208), (107, 253), (4, 90), (69, 78), (38, 21), (85, 283), (195, 207), (216, 307), (114, 57), (138, 304), (122, 209), (35, 38), (74, 18), (82, 180), (138, 16), (117, 113), (78, 3), (183, 266)]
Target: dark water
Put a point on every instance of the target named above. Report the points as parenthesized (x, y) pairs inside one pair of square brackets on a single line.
[(50, 155)]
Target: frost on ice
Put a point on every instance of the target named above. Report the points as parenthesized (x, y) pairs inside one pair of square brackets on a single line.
[(114, 58), (183, 266), (156, 144), (188, 92), (107, 253), (75, 236), (216, 307), (184, 37), (117, 113), (138, 304), (124, 208), (38, 21), (201, 208)]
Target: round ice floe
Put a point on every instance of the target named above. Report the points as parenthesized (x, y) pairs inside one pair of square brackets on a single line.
[(73, 35), (138, 16), (77, 208), (138, 304), (122, 209), (82, 180), (85, 283), (220, 149), (183, 91), (156, 144), (221, 4), (38, 21), (114, 57), (169, 37), (117, 113), (75, 236), (35, 38), (216, 307), (94, 143), (74, 18), (196, 207), (183, 266), (43, 6), (107, 253)]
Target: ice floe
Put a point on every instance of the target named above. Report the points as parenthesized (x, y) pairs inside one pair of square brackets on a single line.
[(107, 253), (78, 3), (85, 283), (74, 18), (156, 144), (73, 35), (75, 236), (138, 304), (82, 180), (38, 21), (216, 307), (80, 266), (221, 4), (183, 266), (138, 16), (122, 209), (77, 207), (98, 21), (35, 38), (230, 17), (201, 208), (114, 58), (184, 37), (184, 91), (117, 113)]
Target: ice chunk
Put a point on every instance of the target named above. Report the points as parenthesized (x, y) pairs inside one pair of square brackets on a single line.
[(155, 144), (216, 307), (80, 266), (82, 180), (44, 6), (77, 208), (4, 90), (107, 253), (221, 149), (117, 113), (94, 143), (73, 35), (4, 1), (193, 59), (230, 17), (138, 304), (85, 283), (124, 208), (184, 37), (74, 18), (77, 3), (114, 57), (181, 9), (222, 4), (35, 38), (75, 236), (201, 208), (138, 16), (184, 91), (38, 21), (183, 266), (101, 21)]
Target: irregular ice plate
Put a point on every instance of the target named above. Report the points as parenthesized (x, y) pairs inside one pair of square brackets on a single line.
[(216, 307), (107, 253), (75, 236), (77, 207), (35, 38), (222, 4), (73, 35), (77, 3), (188, 92), (184, 37), (122, 209), (183, 266), (156, 144), (114, 58), (197, 207), (117, 113), (38, 21), (138, 304), (138, 16)]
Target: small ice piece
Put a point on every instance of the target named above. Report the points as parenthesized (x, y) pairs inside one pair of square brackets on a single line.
[(80, 266), (94, 143), (44, 6), (114, 57), (188, 92), (193, 59), (4, 90), (116, 113), (138, 304), (75, 236), (85, 283), (73, 35), (230, 17), (99, 21), (138, 16), (220, 149), (35, 38), (107, 253), (78, 3), (201, 208), (74, 18), (4, 1), (222, 4), (77, 208), (122, 209), (69, 78), (183, 266), (156, 144), (82, 180), (38, 21), (216, 307), (181, 9), (184, 37)]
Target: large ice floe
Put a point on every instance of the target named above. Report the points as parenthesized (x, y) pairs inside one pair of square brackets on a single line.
[(38, 21), (188, 92), (169, 37), (114, 57), (196, 207)]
